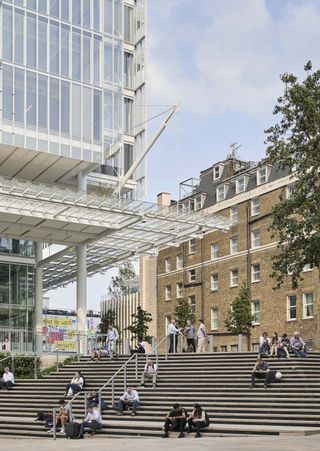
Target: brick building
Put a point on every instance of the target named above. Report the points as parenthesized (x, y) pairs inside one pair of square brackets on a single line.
[(209, 269)]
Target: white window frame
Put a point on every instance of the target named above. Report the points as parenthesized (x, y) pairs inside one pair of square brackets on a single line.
[(255, 312), (241, 184), (234, 277), (254, 239), (168, 264), (234, 213), (192, 275), (255, 272), (307, 304), (234, 244), (192, 246), (263, 175), (192, 304), (179, 290), (214, 248), (197, 203), (179, 261), (216, 172), (214, 282), (220, 196), (289, 307), (255, 206), (214, 319), (168, 292)]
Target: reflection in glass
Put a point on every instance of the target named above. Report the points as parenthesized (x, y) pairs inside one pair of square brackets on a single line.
[(65, 35), (107, 110), (86, 59), (43, 102), (54, 48), (76, 56), (76, 111), (7, 97), (54, 104), (128, 70), (87, 114), (7, 30), (108, 62), (31, 41), (31, 107), (18, 36), (96, 15), (65, 107), (76, 12), (117, 18), (97, 107), (19, 106), (117, 63), (42, 44), (86, 13), (108, 16), (96, 60)]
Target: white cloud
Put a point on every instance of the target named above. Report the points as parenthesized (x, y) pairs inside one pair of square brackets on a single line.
[(227, 56)]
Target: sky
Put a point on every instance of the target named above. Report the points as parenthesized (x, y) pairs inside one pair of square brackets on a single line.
[(220, 60)]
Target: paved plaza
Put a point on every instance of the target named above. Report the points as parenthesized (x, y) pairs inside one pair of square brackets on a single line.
[(250, 443)]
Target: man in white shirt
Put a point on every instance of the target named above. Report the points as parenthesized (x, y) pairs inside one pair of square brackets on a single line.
[(112, 339), (92, 421), (129, 398), (150, 372), (173, 331), (201, 335), (7, 380)]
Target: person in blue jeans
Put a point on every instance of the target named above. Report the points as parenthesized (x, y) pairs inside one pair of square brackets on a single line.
[(129, 398), (264, 344), (91, 421), (75, 385), (298, 346)]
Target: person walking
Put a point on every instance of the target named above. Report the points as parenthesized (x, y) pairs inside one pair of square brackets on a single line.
[(201, 336), (173, 332), (112, 340), (191, 333)]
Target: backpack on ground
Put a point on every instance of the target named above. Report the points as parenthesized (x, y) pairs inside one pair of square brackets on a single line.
[(103, 405), (72, 430)]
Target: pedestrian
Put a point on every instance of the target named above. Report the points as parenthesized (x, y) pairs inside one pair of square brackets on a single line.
[(191, 333), (112, 340), (201, 336), (173, 332)]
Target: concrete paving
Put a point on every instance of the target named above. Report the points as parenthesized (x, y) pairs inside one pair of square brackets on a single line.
[(248, 443)]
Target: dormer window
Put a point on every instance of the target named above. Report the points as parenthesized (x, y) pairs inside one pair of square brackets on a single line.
[(263, 175), (217, 171), (222, 192), (241, 184)]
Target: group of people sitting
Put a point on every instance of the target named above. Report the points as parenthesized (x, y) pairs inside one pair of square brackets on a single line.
[(281, 346), (109, 347), (177, 419)]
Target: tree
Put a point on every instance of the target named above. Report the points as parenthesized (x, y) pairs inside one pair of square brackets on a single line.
[(183, 312), (294, 144), (107, 318), (119, 284), (139, 327), (240, 318)]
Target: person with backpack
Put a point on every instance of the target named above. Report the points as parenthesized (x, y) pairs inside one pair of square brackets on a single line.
[(75, 385), (175, 421), (202, 337), (150, 372), (92, 420), (93, 399), (198, 420), (112, 340)]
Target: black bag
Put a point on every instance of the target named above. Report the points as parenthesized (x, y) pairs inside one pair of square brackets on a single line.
[(272, 376), (46, 417), (104, 405), (207, 419), (84, 381), (72, 430)]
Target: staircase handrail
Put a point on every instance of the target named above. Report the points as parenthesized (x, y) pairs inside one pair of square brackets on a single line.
[(6, 358)]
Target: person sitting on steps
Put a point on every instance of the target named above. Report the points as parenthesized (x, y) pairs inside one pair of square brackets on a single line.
[(92, 421), (198, 420), (298, 346), (150, 372), (283, 347), (264, 344), (175, 421), (274, 344), (261, 371), (129, 398), (75, 385), (62, 417), (140, 347), (7, 380)]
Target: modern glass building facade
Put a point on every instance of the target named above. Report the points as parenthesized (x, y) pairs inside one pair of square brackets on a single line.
[(72, 83), (72, 79)]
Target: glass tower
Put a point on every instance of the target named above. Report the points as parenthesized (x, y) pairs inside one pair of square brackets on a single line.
[(72, 83)]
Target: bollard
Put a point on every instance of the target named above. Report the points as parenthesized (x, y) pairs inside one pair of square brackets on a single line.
[(78, 351), (124, 377), (210, 343), (99, 401), (35, 367), (54, 425), (126, 346), (71, 413), (12, 363), (240, 343), (85, 403), (166, 343), (57, 361), (174, 343), (153, 343), (181, 343)]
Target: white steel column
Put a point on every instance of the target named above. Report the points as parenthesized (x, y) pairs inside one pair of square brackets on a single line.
[(38, 300), (82, 277)]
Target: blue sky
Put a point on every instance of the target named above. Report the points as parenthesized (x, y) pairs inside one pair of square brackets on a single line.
[(221, 60)]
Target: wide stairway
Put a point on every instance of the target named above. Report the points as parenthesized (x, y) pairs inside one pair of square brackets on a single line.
[(219, 382)]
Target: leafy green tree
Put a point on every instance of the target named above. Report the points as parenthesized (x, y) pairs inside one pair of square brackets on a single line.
[(294, 144), (107, 318), (183, 312), (240, 318), (119, 284), (139, 327)]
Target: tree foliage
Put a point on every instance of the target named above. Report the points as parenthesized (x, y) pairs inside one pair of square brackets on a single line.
[(107, 318), (119, 284), (139, 327), (240, 318), (294, 145), (183, 312)]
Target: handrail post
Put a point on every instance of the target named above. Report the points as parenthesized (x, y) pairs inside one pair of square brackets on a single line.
[(99, 402), (181, 343), (126, 346), (136, 366), (125, 377), (174, 343), (12, 363), (240, 343), (54, 424), (71, 413), (57, 360), (166, 343), (78, 352), (112, 393), (211, 343), (153, 344), (85, 403), (35, 367)]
